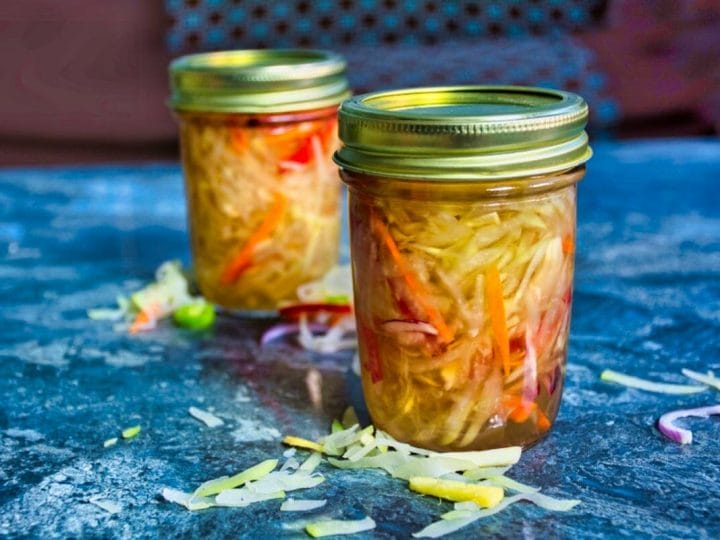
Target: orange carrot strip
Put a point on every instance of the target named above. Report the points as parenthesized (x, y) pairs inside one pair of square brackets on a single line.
[(434, 316), (238, 140), (494, 292), (243, 258), (143, 318), (568, 244), (543, 422)]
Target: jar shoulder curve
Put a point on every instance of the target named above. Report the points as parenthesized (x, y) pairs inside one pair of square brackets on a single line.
[(459, 191)]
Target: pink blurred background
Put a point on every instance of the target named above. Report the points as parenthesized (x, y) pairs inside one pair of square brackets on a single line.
[(86, 81)]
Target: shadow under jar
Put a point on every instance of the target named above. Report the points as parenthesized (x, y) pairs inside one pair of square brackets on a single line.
[(257, 133), (462, 224)]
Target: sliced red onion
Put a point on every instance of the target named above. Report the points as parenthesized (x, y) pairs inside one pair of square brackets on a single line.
[(281, 330), (550, 380), (681, 435), (398, 326)]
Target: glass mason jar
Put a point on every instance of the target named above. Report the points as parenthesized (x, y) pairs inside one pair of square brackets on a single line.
[(257, 134), (462, 226)]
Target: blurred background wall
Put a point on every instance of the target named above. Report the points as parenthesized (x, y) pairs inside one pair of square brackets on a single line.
[(86, 80)]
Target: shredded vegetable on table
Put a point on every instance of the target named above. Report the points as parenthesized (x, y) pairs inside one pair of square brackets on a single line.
[(339, 527), (209, 419), (322, 320), (705, 378), (666, 423), (463, 321), (168, 295), (650, 386), (302, 505), (427, 472)]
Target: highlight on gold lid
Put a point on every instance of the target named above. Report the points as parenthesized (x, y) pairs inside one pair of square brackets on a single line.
[(463, 133), (258, 81)]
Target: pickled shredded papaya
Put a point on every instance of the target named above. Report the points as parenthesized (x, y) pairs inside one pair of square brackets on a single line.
[(250, 252), (464, 312)]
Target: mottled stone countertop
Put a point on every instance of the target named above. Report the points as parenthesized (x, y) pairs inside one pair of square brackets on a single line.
[(647, 302)]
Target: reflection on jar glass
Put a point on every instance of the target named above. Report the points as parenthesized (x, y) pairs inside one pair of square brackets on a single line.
[(463, 235), (257, 132)]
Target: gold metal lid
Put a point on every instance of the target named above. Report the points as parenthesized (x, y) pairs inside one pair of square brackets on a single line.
[(464, 133), (258, 81)]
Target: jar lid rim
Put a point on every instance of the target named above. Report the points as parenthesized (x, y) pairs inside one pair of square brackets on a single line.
[(258, 80), (447, 132)]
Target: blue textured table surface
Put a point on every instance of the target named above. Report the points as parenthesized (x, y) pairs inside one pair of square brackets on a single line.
[(647, 302)]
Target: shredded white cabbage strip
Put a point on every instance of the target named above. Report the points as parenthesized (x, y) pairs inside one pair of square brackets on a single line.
[(334, 443), (338, 527), (244, 497), (496, 457), (482, 473), (256, 472), (188, 500), (457, 514), (109, 506), (110, 442), (706, 378), (385, 439), (405, 467), (302, 505), (286, 481), (466, 505), (447, 526), (311, 463), (509, 483), (359, 451), (105, 314), (290, 464), (209, 419), (649, 386)]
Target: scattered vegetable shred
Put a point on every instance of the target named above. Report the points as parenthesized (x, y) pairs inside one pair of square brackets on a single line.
[(302, 505), (705, 378), (131, 432), (167, 295), (480, 489), (110, 442), (649, 386), (209, 419), (109, 506), (335, 527)]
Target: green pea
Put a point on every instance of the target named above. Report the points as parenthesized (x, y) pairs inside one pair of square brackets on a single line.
[(196, 316)]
